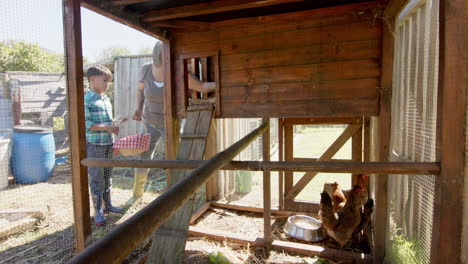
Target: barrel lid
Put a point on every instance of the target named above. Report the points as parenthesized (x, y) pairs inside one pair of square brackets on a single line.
[(32, 129)]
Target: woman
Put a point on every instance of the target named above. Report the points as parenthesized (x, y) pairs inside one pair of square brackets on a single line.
[(150, 108)]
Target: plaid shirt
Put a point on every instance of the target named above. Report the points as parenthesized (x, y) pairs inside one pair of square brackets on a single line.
[(98, 111)]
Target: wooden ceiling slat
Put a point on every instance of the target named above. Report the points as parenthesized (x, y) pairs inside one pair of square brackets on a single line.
[(209, 8), (128, 2)]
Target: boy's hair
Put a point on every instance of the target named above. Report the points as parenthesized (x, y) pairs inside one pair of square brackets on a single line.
[(157, 54), (98, 70)]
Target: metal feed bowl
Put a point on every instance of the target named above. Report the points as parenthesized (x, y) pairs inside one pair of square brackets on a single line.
[(303, 227)]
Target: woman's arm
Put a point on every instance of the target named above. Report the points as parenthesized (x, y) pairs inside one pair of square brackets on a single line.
[(140, 100), (199, 86)]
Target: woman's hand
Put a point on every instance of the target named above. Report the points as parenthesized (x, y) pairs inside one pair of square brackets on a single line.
[(137, 115)]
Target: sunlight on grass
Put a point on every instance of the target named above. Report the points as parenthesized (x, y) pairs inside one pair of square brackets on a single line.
[(312, 142)]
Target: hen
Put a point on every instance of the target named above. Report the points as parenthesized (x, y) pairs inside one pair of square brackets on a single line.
[(341, 226)]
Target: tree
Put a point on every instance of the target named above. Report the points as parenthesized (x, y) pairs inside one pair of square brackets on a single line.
[(107, 54), (23, 56), (145, 50)]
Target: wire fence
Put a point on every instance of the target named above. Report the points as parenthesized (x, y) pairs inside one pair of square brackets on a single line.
[(414, 112)]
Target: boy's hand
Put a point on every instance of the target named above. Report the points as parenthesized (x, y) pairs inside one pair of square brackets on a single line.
[(137, 115), (113, 129)]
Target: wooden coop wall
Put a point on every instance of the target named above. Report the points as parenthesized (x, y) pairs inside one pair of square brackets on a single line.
[(322, 62)]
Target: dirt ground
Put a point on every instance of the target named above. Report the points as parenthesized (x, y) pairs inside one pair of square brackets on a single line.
[(52, 239)]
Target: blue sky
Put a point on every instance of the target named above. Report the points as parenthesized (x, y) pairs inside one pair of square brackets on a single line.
[(40, 21)]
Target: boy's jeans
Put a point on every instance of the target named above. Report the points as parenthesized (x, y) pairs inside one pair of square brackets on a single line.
[(99, 177)]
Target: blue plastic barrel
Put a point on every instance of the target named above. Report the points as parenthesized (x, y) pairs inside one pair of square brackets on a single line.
[(33, 154)]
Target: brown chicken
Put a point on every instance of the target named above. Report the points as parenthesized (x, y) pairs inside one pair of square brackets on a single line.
[(337, 196), (341, 226), (365, 222)]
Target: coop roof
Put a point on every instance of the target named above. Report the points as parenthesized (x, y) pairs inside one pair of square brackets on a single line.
[(155, 17)]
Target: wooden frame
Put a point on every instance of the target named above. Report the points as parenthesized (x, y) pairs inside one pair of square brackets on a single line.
[(183, 61), (448, 211), (354, 131), (74, 73)]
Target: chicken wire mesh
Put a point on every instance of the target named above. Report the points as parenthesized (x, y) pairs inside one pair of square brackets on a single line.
[(414, 112), (36, 209)]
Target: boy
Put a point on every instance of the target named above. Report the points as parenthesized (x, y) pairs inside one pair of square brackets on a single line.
[(99, 139)]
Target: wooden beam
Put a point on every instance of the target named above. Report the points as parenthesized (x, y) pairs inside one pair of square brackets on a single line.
[(129, 2), (288, 156), (170, 117), (123, 16), (298, 248), (322, 120), (206, 8), (281, 158), (448, 210), (266, 185), (327, 155), (74, 74), (289, 166), (356, 150), (185, 24), (199, 212), (110, 249), (381, 182), (239, 207)]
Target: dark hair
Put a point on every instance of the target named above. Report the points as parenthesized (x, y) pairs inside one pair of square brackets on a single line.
[(98, 70), (157, 54)]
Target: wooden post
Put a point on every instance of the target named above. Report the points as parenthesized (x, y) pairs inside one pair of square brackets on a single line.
[(380, 225), (288, 156), (280, 158), (266, 184), (448, 210), (356, 150), (74, 70), (170, 118)]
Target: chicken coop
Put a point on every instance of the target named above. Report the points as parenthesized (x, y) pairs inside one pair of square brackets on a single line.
[(393, 73)]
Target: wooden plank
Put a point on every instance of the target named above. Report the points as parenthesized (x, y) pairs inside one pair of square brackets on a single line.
[(208, 8), (74, 73), (166, 247), (334, 166), (297, 37), (266, 185), (281, 158), (288, 156), (212, 189), (322, 120), (448, 211), (199, 212), (293, 247), (240, 207), (384, 126), (303, 108), (331, 71), (170, 118), (254, 26), (356, 150), (338, 51), (327, 155), (361, 88)]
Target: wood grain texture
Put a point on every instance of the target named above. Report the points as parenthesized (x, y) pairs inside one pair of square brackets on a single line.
[(448, 212), (331, 53), (74, 70)]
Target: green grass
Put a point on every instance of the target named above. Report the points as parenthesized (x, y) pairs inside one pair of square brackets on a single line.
[(405, 250), (311, 142)]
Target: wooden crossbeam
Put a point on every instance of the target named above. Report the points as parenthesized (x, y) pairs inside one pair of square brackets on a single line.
[(128, 2), (329, 153), (182, 24), (209, 8)]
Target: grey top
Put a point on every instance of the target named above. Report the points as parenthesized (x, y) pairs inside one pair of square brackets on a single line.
[(153, 110)]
